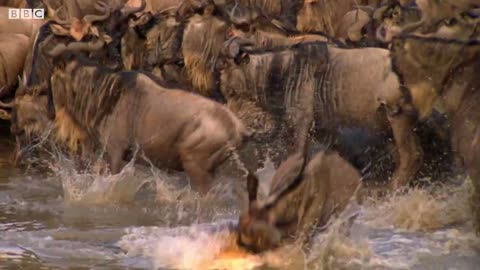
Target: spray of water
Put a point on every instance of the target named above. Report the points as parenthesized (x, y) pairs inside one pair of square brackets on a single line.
[(422, 210)]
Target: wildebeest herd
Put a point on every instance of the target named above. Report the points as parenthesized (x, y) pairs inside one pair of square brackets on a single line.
[(188, 83)]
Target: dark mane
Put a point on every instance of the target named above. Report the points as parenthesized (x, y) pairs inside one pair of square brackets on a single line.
[(38, 65), (43, 32), (281, 82), (89, 95)]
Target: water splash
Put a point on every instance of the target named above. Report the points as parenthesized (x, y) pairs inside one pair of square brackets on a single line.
[(93, 188), (422, 210)]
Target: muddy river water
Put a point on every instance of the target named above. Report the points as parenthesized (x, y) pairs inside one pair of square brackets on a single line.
[(144, 219)]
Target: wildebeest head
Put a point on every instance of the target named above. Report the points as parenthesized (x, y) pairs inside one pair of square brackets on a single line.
[(302, 197), (29, 121), (34, 113), (163, 41), (202, 42), (322, 15), (189, 7), (425, 65), (444, 19), (232, 78), (392, 18), (252, 23)]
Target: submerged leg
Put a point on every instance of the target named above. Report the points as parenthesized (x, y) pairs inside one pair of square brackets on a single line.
[(410, 153), (201, 178), (115, 158)]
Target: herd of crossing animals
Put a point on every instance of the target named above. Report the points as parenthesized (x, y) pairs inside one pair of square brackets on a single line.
[(189, 82)]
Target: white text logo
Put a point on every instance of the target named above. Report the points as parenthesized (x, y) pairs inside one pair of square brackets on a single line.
[(26, 13)]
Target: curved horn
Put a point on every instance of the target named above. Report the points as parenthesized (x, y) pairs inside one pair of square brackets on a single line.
[(57, 19), (413, 26), (7, 105), (368, 9), (76, 46), (5, 115), (378, 13), (101, 6), (234, 44), (130, 10), (4, 90)]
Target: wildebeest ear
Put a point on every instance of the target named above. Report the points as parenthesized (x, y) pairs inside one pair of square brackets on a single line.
[(252, 187)]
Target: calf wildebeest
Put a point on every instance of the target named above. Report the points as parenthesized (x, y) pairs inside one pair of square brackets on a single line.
[(357, 88), (446, 70), (185, 131), (301, 198), (13, 50)]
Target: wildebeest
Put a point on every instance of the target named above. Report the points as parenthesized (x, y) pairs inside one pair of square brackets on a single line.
[(185, 131), (153, 43), (13, 50), (390, 17), (301, 198), (446, 70), (157, 40), (193, 40), (283, 11), (323, 15), (438, 19), (351, 88)]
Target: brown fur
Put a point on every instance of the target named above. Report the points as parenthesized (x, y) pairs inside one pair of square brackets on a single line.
[(26, 27), (442, 19), (68, 132), (184, 130), (293, 209), (13, 51), (370, 96), (31, 118), (202, 43), (323, 15), (451, 67)]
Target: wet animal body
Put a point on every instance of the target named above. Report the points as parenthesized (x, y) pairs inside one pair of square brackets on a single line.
[(185, 131), (278, 75), (352, 88), (297, 203), (439, 69)]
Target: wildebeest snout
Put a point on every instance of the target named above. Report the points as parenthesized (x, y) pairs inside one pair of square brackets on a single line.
[(256, 235)]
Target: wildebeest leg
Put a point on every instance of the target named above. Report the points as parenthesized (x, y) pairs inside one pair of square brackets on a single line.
[(474, 173), (475, 176), (115, 155), (199, 173), (410, 153)]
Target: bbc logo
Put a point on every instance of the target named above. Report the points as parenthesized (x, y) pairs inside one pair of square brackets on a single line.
[(26, 13)]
